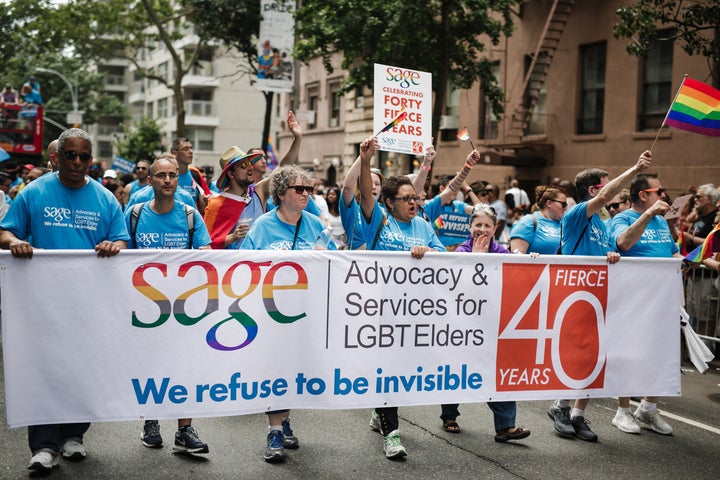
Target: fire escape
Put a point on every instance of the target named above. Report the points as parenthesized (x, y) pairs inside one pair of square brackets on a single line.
[(517, 149)]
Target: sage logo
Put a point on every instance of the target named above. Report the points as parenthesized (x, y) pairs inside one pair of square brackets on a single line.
[(552, 327), (58, 214), (239, 283), (147, 239)]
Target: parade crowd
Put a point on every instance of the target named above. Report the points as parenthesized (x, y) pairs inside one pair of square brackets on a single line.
[(169, 203)]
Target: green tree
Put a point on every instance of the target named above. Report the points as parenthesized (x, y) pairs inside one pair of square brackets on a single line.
[(444, 37), (141, 140), (694, 26)]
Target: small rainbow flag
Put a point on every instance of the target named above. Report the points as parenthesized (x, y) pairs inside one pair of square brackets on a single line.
[(696, 109), (438, 223), (395, 122), (271, 157), (709, 246), (463, 135)]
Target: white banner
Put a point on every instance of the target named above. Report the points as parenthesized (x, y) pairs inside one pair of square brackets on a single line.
[(275, 45), (403, 90), (176, 334)]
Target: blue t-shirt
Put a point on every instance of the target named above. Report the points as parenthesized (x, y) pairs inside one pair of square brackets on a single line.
[(399, 236), (187, 183), (270, 233), (543, 237), (351, 217), (146, 193), (596, 240), (453, 216), (656, 240), (59, 217), (167, 230), (135, 187)]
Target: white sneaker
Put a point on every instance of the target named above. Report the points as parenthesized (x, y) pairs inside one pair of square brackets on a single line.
[(651, 420), (73, 450), (375, 422), (43, 462), (392, 446), (625, 422)]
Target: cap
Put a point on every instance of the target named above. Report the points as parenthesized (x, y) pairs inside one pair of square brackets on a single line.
[(110, 174)]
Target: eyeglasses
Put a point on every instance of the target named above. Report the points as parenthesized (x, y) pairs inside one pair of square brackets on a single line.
[(562, 204), (659, 191), (70, 156), (615, 206), (164, 175), (140, 168), (408, 198), (299, 189)]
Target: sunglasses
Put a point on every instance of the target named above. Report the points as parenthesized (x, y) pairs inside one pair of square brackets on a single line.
[(70, 156), (257, 159), (163, 175), (562, 204), (659, 191), (140, 168), (299, 189), (615, 206), (408, 198)]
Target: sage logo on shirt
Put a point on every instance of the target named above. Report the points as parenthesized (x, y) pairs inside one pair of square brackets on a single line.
[(58, 214), (238, 283), (147, 239), (551, 334)]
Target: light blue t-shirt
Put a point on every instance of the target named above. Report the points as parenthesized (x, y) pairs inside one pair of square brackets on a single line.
[(543, 237), (595, 240), (167, 230), (59, 217), (454, 218), (399, 236), (146, 193), (187, 183), (270, 233), (351, 217), (135, 187), (656, 240)]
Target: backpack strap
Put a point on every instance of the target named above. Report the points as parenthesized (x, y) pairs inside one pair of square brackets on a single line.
[(377, 234), (190, 217), (135, 212)]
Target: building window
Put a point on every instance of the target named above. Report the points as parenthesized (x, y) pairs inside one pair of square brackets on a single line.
[(334, 102), (162, 71), (488, 120), (592, 88), (449, 121), (657, 83), (359, 97), (535, 94), (201, 138), (313, 100), (162, 108), (105, 149), (150, 110)]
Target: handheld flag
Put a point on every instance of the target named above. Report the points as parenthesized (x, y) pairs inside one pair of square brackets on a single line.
[(395, 122), (438, 223), (271, 161), (465, 137), (710, 245), (696, 109)]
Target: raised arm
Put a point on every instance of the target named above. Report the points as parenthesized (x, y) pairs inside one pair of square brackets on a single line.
[(447, 195), (419, 181), (350, 182), (616, 185), (291, 156), (367, 201)]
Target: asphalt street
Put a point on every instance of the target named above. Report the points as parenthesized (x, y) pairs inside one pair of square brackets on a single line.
[(339, 444)]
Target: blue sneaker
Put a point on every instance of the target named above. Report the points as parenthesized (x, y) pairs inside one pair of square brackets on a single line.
[(291, 440), (151, 434), (187, 441), (275, 452)]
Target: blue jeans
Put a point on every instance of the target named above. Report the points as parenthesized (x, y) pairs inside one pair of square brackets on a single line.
[(503, 413), (49, 438)]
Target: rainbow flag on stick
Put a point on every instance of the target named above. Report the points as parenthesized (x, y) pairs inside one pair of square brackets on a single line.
[(696, 108), (271, 161), (465, 137), (709, 246), (438, 223), (395, 122)]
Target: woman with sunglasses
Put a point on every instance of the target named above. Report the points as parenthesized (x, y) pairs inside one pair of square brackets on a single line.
[(287, 227), (539, 232), (400, 229), (619, 203), (483, 223)]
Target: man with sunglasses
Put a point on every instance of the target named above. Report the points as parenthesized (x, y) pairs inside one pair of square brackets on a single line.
[(584, 232), (142, 173), (642, 231), (85, 216)]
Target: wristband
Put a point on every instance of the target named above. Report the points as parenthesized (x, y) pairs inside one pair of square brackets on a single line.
[(423, 167), (468, 166), (452, 188)]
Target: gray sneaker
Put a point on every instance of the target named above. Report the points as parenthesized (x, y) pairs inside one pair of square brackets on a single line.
[(43, 462), (651, 420), (73, 450), (275, 452), (151, 434), (561, 419)]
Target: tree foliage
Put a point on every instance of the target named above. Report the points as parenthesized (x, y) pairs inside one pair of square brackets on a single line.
[(694, 26), (447, 38), (141, 140)]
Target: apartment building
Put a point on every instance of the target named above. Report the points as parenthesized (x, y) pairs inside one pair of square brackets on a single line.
[(587, 103)]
